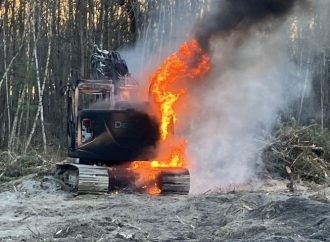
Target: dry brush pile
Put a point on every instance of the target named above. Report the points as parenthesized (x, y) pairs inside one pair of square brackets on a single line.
[(14, 166), (299, 153)]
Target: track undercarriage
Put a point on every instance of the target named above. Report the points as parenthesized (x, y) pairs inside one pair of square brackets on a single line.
[(85, 179)]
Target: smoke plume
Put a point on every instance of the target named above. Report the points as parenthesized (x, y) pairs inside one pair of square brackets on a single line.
[(253, 78), (240, 16)]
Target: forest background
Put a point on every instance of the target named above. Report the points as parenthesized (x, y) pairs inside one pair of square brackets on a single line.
[(46, 45)]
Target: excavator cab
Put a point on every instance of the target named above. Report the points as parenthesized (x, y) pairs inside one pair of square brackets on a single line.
[(103, 130)]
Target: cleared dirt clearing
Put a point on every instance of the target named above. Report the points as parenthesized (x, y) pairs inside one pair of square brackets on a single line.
[(37, 211)]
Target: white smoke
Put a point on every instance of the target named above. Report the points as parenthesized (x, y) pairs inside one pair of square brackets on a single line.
[(250, 84), (235, 114)]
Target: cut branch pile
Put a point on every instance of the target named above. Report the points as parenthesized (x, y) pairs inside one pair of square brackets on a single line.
[(14, 166), (299, 153)]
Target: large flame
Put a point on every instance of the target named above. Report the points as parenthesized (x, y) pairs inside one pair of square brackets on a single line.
[(167, 83), (169, 89)]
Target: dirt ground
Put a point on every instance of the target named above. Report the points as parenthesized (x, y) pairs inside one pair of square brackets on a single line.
[(34, 210)]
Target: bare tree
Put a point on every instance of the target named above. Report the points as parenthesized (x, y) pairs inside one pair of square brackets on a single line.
[(15, 122), (41, 86)]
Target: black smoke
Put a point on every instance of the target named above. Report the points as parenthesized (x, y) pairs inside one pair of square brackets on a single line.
[(241, 16)]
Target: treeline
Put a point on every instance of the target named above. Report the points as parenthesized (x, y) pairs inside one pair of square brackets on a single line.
[(310, 50), (47, 44)]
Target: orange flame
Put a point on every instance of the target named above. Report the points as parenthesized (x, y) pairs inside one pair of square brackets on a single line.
[(168, 88), (166, 84)]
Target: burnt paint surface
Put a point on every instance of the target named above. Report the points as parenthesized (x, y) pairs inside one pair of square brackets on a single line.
[(118, 136)]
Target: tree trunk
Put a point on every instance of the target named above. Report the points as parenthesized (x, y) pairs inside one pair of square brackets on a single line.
[(304, 89), (17, 144), (14, 128)]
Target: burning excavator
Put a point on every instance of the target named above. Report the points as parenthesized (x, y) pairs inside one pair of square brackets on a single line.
[(123, 144)]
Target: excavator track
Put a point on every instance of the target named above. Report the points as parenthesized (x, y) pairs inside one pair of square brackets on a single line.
[(175, 181), (83, 179), (92, 179)]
